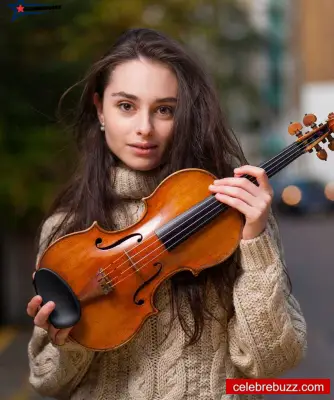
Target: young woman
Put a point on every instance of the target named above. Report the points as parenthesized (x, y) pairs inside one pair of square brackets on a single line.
[(147, 110)]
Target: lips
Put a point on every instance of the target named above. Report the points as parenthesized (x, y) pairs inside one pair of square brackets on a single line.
[(144, 146)]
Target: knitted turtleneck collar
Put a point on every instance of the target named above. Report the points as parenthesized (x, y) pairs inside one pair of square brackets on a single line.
[(130, 184)]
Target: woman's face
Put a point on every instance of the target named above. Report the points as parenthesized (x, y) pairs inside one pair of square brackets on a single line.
[(138, 112)]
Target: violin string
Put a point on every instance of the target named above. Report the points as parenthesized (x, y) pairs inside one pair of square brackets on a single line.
[(253, 179), (218, 206)]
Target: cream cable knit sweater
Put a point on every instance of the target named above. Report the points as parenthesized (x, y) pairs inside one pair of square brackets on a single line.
[(265, 338)]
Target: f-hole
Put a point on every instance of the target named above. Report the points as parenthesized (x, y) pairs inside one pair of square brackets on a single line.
[(99, 240), (140, 302)]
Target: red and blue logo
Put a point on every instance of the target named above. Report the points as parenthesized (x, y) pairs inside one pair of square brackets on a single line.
[(20, 9)]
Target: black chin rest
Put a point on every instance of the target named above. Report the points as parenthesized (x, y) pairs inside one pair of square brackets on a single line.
[(51, 287)]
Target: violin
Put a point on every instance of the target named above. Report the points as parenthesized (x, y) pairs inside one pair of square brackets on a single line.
[(103, 282)]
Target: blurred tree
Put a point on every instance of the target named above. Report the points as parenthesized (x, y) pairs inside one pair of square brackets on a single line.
[(47, 53)]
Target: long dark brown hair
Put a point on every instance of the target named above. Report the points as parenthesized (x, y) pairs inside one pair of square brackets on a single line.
[(201, 139)]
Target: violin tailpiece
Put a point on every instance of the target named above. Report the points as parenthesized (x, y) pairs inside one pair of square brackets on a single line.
[(99, 286)]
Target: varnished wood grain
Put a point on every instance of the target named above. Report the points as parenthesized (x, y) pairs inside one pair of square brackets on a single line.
[(109, 321)]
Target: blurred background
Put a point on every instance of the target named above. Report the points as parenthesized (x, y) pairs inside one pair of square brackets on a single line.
[(272, 61)]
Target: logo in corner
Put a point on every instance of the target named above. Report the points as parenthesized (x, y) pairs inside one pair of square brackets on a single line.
[(20, 9)]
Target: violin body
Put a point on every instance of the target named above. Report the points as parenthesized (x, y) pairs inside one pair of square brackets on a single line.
[(114, 275)]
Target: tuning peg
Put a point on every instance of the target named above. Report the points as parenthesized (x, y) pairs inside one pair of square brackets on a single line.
[(321, 153), (331, 142), (330, 122), (295, 129), (309, 120)]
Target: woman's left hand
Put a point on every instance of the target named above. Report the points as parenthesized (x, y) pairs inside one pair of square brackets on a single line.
[(251, 200)]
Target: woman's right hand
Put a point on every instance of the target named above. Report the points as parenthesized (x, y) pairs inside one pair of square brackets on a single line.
[(41, 316)]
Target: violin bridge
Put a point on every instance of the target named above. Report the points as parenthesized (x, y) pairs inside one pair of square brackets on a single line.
[(99, 285)]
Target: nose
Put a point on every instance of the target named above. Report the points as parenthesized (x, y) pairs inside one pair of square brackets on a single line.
[(144, 124)]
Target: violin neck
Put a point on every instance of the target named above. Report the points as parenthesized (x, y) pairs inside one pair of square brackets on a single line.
[(197, 217), (282, 159)]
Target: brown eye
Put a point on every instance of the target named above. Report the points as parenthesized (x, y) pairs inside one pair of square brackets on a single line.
[(125, 106), (164, 110)]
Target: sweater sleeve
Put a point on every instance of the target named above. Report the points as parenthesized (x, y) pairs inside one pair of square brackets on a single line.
[(267, 334), (55, 370)]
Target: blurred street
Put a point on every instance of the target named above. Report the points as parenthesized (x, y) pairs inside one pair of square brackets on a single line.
[(308, 245)]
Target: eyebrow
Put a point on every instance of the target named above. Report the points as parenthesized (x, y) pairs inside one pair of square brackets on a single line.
[(133, 97)]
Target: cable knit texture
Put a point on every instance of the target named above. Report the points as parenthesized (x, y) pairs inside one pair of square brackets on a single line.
[(265, 338)]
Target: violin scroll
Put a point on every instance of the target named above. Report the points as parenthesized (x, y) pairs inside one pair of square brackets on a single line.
[(320, 133)]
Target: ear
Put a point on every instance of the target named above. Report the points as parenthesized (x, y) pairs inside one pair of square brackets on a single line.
[(99, 108)]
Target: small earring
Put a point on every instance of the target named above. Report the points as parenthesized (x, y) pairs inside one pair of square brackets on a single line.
[(102, 127)]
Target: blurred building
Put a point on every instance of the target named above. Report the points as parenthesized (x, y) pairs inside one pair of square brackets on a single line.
[(268, 70), (297, 72), (314, 77)]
